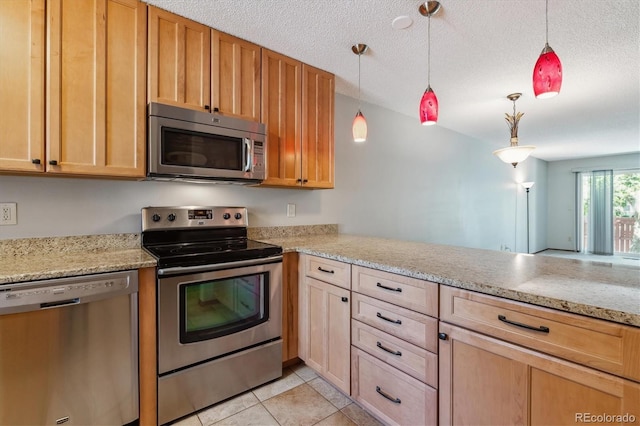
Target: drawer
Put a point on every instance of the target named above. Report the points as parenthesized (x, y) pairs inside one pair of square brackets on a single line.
[(415, 361), (405, 324), (410, 293), (394, 397), (327, 270), (603, 345)]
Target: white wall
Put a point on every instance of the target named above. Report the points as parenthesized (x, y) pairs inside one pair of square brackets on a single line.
[(427, 183), (407, 181), (561, 199)]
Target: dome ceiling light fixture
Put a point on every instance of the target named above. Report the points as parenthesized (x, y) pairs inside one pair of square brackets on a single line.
[(359, 127), (514, 154), (429, 101), (547, 74)]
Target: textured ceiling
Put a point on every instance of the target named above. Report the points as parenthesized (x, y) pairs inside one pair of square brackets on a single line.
[(481, 50)]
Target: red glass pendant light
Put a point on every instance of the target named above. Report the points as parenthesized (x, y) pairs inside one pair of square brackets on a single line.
[(429, 108), (429, 101), (547, 74)]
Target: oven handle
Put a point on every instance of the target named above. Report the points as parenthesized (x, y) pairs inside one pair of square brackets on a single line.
[(218, 266)]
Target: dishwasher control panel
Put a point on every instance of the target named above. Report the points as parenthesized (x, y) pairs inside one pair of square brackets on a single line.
[(35, 295)]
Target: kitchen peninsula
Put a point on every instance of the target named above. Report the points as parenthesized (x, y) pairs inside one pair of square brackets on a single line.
[(598, 301)]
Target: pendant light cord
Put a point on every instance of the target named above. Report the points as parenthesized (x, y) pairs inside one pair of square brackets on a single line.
[(429, 52), (359, 102), (546, 14)]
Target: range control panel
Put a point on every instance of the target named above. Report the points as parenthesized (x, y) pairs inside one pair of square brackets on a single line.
[(155, 218)]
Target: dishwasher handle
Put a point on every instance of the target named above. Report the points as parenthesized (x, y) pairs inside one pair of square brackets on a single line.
[(46, 305), (63, 292)]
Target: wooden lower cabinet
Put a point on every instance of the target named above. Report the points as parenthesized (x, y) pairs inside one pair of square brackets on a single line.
[(393, 396), (325, 331), (486, 381), (290, 307)]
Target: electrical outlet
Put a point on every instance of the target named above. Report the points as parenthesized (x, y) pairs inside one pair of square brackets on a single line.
[(291, 210), (8, 214)]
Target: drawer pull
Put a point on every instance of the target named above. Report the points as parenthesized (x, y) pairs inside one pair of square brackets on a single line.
[(391, 351), (541, 328), (379, 315), (326, 270), (386, 395), (399, 290)]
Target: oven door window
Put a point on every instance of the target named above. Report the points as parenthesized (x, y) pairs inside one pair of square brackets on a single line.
[(194, 149), (217, 308)]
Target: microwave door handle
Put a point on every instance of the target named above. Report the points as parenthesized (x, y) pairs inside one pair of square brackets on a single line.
[(248, 154)]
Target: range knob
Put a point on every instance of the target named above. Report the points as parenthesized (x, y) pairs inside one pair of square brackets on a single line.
[(171, 217), (226, 216), (238, 216), (155, 217)]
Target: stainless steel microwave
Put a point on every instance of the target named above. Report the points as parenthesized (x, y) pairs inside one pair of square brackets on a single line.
[(185, 144)]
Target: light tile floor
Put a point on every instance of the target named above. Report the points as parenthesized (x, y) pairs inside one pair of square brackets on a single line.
[(299, 398)]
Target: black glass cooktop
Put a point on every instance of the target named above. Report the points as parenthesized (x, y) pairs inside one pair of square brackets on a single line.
[(203, 247)]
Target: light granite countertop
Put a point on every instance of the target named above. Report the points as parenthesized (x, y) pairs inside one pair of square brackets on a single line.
[(600, 290), (32, 259)]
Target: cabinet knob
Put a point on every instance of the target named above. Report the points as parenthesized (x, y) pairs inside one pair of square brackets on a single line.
[(344, 299), (305, 180), (207, 107), (443, 336), (299, 180), (216, 109), (35, 161), (53, 162)]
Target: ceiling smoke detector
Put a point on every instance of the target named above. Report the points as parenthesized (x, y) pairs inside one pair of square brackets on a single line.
[(401, 23)]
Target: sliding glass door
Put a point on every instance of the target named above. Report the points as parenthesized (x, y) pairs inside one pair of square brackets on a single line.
[(609, 212)]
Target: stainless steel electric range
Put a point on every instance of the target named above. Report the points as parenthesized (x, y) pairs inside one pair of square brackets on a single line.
[(219, 306)]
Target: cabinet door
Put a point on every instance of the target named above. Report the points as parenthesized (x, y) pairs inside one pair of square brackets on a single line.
[(235, 83), (317, 128), (22, 49), (281, 97), (179, 61), (487, 381), (328, 331), (95, 87)]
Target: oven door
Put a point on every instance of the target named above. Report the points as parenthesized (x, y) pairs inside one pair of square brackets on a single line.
[(207, 314)]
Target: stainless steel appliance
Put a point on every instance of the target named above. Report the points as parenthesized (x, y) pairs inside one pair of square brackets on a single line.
[(69, 351), (219, 306), (184, 144)]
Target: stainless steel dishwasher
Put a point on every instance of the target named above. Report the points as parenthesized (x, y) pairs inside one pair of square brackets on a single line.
[(69, 351)]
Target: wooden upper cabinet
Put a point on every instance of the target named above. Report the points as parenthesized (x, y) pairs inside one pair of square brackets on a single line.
[(95, 87), (281, 109), (22, 67), (179, 61), (317, 128), (298, 109), (235, 76)]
